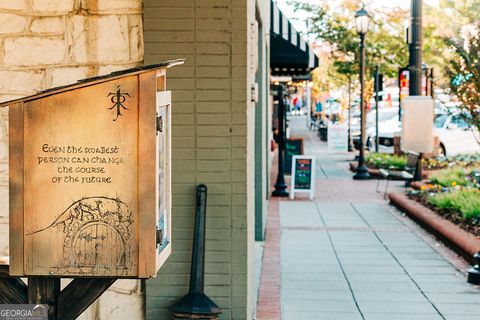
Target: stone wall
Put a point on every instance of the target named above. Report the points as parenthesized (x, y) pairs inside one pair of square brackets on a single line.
[(48, 43)]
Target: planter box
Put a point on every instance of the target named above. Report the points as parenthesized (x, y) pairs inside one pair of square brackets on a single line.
[(465, 243)]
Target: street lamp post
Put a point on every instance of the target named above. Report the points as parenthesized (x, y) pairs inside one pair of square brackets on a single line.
[(416, 67), (350, 146), (416, 45), (377, 89), (280, 186), (362, 20)]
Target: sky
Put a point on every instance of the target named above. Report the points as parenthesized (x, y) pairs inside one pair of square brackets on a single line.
[(289, 12)]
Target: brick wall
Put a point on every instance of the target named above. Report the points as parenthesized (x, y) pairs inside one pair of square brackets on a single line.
[(47, 43), (211, 122)]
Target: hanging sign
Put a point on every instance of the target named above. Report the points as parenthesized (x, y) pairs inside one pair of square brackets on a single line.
[(303, 175)]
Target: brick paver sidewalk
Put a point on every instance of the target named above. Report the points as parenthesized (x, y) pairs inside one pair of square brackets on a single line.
[(348, 255)]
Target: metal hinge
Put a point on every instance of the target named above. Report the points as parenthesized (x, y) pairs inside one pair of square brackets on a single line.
[(159, 237), (160, 124)]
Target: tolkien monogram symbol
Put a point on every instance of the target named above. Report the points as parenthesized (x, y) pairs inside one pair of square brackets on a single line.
[(118, 98)]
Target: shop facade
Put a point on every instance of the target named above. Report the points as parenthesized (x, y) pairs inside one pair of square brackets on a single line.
[(221, 123), (219, 139)]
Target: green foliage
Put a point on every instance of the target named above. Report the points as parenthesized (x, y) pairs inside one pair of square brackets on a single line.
[(386, 161), (454, 15), (450, 177), (460, 12), (464, 72), (335, 26), (466, 202)]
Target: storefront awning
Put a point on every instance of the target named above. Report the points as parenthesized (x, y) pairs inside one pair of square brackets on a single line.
[(290, 55)]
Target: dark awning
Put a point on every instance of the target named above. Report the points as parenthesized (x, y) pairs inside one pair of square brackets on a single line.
[(290, 55)]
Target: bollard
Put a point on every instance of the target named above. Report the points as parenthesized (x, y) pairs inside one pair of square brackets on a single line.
[(195, 304), (474, 273)]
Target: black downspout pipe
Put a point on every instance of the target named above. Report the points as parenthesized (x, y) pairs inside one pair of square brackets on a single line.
[(195, 303)]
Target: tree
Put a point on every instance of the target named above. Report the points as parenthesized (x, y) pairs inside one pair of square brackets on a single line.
[(464, 72), (335, 26), (453, 14)]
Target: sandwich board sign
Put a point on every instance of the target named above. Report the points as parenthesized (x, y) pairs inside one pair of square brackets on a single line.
[(89, 177), (294, 146), (303, 175), (337, 138)]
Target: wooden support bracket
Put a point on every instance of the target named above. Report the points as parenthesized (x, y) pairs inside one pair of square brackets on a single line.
[(79, 294), (66, 304), (12, 290)]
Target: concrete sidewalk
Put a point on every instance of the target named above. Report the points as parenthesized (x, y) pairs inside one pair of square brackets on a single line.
[(349, 255)]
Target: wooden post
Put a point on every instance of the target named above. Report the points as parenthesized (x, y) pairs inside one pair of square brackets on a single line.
[(44, 290)]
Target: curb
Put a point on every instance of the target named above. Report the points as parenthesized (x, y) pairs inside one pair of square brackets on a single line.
[(463, 242), (269, 299)]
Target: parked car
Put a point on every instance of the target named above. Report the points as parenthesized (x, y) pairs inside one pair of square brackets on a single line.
[(455, 134), (386, 118), (385, 144)]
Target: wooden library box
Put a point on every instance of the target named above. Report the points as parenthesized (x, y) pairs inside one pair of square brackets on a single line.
[(90, 177)]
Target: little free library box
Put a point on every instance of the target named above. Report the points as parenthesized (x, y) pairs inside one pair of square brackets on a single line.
[(89, 176)]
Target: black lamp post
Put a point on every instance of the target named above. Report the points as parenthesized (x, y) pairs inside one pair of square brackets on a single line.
[(362, 20), (350, 146), (415, 46), (416, 66), (280, 186)]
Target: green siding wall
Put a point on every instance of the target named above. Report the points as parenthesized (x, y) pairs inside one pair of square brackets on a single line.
[(209, 138)]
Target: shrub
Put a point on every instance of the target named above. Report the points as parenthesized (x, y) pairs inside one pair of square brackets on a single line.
[(465, 201), (450, 177), (386, 161)]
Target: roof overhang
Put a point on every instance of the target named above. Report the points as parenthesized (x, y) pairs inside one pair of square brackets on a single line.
[(98, 79), (290, 55)]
